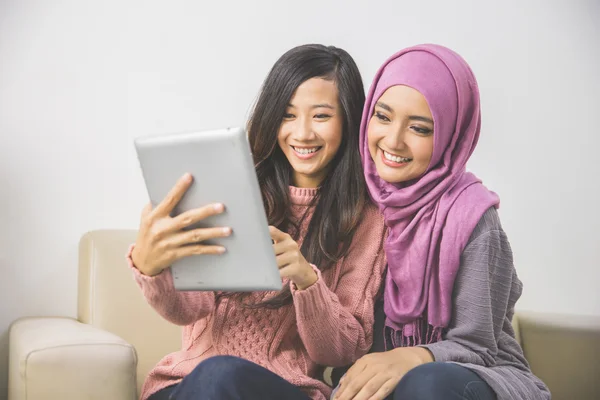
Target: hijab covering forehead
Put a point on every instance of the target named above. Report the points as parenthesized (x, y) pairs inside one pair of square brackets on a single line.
[(430, 219)]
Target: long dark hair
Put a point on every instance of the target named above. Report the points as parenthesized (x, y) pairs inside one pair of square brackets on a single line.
[(342, 194)]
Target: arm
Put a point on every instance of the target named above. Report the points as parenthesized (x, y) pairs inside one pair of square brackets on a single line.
[(161, 241), (480, 302), (177, 307), (482, 297), (336, 322)]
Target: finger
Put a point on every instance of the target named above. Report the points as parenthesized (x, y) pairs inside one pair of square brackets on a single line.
[(370, 387), (353, 382), (165, 207), (283, 247), (146, 210), (350, 391), (354, 371), (289, 272), (197, 214), (285, 259), (277, 235), (343, 383), (186, 251), (196, 236), (385, 390)]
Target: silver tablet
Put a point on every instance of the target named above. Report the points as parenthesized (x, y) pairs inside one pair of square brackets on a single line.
[(221, 163)]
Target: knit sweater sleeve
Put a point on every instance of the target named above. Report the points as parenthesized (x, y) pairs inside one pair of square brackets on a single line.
[(178, 307), (335, 319), (485, 292)]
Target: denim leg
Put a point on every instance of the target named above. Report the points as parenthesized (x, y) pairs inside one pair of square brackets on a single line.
[(442, 381), (163, 394), (232, 378)]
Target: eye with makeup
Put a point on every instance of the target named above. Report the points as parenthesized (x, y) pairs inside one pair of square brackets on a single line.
[(288, 116), (381, 117), (423, 131)]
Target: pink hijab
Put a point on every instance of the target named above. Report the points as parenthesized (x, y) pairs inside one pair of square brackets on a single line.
[(431, 219)]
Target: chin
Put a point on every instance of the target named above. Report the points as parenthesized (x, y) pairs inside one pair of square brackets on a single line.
[(388, 177), (392, 179), (302, 169)]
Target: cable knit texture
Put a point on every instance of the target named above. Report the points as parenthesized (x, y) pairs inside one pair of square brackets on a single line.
[(329, 324)]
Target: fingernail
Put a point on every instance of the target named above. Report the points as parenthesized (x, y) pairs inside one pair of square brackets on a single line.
[(219, 207), (187, 176), (221, 250), (227, 231)]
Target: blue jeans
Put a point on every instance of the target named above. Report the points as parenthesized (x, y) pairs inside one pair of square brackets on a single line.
[(441, 381), (230, 378)]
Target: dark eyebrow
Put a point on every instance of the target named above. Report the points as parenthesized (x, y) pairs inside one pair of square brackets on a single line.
[(384, 106), (419, 118), (324, 105)]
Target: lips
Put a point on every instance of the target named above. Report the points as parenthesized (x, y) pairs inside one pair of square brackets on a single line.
[(396, 158), (306, 150)]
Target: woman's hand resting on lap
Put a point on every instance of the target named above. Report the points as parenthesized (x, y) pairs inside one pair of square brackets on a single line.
[(376, 375)]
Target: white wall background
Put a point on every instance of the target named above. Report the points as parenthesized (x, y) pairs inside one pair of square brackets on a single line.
[(80, 79)]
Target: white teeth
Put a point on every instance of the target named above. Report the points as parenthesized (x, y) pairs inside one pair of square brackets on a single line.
[(393, 158), (306, 151)]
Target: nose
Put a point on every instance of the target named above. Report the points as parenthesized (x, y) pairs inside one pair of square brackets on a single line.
[(303, 131), (394, 140)]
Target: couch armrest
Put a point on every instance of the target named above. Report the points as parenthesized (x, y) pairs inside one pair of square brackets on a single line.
[(564, 351), (61, 358)]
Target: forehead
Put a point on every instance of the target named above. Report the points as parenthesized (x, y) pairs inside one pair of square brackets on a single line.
[(316, 91)]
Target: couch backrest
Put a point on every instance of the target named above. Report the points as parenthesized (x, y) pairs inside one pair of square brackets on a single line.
[(109, 298)]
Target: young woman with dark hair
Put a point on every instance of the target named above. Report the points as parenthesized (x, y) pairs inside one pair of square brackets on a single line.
[(327, 236)]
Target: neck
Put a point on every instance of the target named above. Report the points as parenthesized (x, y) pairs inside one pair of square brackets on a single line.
[(307, 182)]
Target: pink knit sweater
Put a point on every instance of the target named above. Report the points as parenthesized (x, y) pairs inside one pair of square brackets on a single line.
[(329, 324)]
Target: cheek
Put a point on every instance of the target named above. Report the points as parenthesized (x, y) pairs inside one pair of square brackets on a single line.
[(332, 134), (423, 149), (281, 136), (428, 149), (373, 138)]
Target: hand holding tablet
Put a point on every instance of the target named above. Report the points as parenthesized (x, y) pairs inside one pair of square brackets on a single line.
[(187, 229)]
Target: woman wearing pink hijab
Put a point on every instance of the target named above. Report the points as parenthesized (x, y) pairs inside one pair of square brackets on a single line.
[(451, 285)]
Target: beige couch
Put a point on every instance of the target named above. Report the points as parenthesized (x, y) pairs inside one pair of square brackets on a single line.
[(116, 339)]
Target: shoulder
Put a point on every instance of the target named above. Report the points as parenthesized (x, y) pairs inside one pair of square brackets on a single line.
[(489, 247), (467, 207), (489, 258), (488, 226)]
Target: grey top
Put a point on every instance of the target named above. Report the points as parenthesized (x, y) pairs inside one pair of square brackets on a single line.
[(480, 336)]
